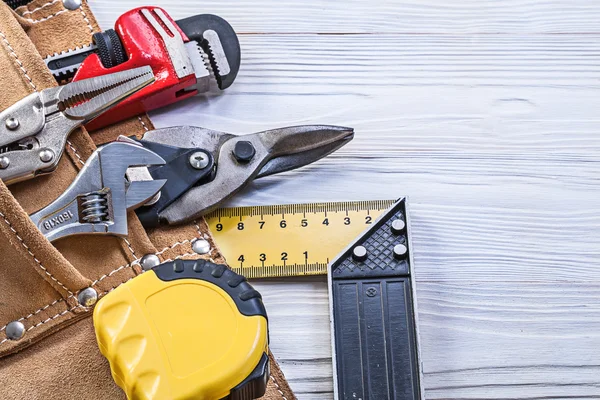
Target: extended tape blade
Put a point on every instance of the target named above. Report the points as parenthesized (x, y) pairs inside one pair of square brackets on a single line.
[(290, 240)]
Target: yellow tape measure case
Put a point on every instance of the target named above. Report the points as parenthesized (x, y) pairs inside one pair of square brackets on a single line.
[(185, 330)]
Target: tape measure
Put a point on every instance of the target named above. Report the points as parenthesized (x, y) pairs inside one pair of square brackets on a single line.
[(290, 240), (185, 330)]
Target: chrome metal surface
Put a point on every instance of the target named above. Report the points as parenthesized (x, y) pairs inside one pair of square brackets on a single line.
[(101, 92), (98, 199), (87, 297), (149, 261), (46, 155), (205, 77), (47, 118), (12, 123), (4, 162), (72, 4), (217, 52), (173, 41), (15, 330), (142, 174), (199, 160), (201, 246)]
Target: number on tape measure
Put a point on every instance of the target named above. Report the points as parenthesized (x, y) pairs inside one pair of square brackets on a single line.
[(290, 240)]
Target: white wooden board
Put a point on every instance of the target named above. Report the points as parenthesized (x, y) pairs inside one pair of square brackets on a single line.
[(486, 115)]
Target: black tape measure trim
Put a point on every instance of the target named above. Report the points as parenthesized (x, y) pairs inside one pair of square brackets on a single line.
[(246, 298), (255, 385)]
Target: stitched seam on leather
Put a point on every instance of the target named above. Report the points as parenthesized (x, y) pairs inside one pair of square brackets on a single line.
[(19, 63), (173, 246), (122, 267), (85, 18), (40, 7), (60, 314), (33, 255), (278, 388), (52, 318), (137, 261), (75, 151), (130, 248), (197, 227), (37, 311), (37, 21), (143, 124)]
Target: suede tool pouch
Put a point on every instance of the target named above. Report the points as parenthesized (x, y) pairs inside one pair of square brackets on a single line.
[(57, 357)]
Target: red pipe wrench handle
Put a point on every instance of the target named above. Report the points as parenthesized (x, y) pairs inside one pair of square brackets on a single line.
[(149, 36)]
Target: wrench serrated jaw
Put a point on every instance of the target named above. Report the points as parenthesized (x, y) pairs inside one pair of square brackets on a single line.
[(63, 65), (216, 52), (202, 68)]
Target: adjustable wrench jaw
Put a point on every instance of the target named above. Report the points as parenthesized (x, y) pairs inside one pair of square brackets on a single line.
[(98, 199)]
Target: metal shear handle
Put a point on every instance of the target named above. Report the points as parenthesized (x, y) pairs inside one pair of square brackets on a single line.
[(240, 159)]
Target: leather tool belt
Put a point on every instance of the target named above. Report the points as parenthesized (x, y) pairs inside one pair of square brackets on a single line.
[(58, 358)]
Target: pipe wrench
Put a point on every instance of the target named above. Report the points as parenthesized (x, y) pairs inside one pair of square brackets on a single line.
[(188, 57)]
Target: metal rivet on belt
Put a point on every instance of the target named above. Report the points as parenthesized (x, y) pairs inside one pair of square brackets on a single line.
[(201, 246), (15, 330), (72, 4), (11, 123), (87, 297), (149, 261)]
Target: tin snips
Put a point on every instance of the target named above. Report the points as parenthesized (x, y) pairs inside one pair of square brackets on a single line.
[(204, 168)]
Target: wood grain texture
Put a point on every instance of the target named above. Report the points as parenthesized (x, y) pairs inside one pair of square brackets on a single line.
[(486, 115), (381, 16), (484, 340)]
